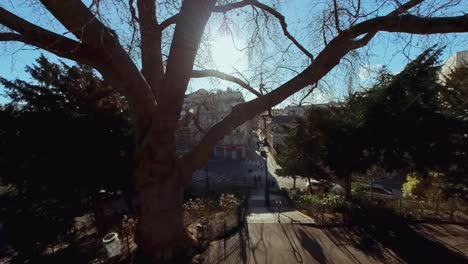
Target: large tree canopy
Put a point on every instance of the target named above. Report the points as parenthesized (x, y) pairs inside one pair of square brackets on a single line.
[(169, 34), (66, 132), (64, 136), (402, 122)]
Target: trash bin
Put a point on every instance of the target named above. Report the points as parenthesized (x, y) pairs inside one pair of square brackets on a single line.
[(112, 244)]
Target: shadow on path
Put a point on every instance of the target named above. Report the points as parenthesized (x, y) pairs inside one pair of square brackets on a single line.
[(294, 247), (311, 245), (382, 234), (307, 242)]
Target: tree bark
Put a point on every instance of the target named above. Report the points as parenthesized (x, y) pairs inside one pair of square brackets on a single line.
[(161, 234)]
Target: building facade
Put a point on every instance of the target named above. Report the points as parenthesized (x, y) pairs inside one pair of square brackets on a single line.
[(207, 109), (279, 128), (457, 60), (276, 127)]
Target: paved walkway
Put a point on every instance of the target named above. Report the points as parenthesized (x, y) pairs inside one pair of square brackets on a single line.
[(279, 212), (288, 236), (275, 236)]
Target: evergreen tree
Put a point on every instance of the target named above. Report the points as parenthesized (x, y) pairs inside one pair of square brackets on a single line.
[(397, 124), (63, 136)]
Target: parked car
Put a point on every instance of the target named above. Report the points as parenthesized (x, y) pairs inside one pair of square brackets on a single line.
[(314, 184), (382, 189), (332, 187)]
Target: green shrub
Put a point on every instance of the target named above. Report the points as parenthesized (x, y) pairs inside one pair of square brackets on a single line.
[(359, 189), (311, 199), (333, 202), (228, 201), (204, 208), (410, 187), (330, 202), (199, 207), (434, 185), (296, 195)]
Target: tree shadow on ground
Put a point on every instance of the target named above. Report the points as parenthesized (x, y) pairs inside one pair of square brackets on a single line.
[(235, 245), (382, 234), (295, 231), (311, 245), (290, 237)]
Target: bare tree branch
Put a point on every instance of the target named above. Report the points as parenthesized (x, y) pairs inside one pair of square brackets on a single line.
[(151, 59), (121, 71), (246, 111), (402, 8), (335, 14), (158, 170), (284, 27), (188, 32), (42, 38), (410, 24), (80, 21), (132, 11), (288, 68), (6, 36), (308, 93), (405, 7), (170, 21), (324, 62), (272, 11), (224, 76)]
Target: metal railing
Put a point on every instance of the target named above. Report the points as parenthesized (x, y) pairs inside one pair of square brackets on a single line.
[(432, 208)]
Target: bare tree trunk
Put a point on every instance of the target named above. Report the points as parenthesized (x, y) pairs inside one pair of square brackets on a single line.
[(294, 183), (161, 234)]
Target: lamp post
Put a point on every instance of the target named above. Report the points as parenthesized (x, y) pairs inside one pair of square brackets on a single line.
[(264, 154)]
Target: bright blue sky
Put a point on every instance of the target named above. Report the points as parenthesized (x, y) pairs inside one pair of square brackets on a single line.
[(385, 49)]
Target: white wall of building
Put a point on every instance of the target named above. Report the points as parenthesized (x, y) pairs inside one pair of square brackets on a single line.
[(456, 60), (212, 108)]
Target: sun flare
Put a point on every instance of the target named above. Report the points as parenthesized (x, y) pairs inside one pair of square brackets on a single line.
[(225, 55)]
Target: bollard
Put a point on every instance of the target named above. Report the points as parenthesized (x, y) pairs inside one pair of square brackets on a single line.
[(112, 244)]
